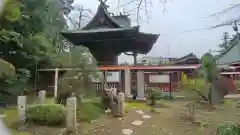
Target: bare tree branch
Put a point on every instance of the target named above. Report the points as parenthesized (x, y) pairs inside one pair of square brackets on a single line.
[(130, 2), (83, 15), (138, 10), (146, 12), (142, 6), (164, 2)]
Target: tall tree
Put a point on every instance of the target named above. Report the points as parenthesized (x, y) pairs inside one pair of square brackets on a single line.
[(223, 46), (209, 67)]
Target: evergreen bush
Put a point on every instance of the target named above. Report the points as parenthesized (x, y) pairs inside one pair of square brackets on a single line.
[(46, 114), (228, 128)]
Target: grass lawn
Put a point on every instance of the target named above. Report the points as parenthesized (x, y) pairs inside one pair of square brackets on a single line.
[(136, 105)]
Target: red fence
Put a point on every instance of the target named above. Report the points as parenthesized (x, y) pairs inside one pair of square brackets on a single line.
[(163, 87)]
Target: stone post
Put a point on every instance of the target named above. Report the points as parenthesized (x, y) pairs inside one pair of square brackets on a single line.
[(71, 108), (121, 101), (113, 105), (56, 83), (127, 84), (41, 96), (114, 90), (2, 4), (140, 86), (22, 103)]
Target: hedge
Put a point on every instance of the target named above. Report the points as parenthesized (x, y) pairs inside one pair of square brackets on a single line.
[(46, 114)]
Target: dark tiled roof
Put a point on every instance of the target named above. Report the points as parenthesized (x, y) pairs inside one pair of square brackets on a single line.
[(104, 29), (186, 57), (102, 13)]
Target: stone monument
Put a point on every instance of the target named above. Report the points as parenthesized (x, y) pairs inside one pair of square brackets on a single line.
[(41, 96), (21, 102), (71, 108), (121, 98)]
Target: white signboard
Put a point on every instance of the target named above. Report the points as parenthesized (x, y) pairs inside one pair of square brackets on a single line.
[(159, 78), (113, 76)]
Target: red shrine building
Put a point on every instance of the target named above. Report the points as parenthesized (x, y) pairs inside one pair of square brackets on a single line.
[(229, 62), (107, 36)]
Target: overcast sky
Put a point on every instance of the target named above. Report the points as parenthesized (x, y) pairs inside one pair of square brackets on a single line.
[(180, 16)]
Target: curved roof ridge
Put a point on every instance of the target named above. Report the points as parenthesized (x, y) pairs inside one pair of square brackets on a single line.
[(232, 44), (102, 9)]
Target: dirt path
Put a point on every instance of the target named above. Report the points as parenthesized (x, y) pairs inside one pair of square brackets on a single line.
[(161, 123)]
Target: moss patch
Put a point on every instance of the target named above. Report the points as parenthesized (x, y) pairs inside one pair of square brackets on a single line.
[(137, 105)]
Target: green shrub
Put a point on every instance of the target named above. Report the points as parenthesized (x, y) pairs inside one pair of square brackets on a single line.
[(46, 114), (158, 94), (90, 110), (228, 128), (155, 95)]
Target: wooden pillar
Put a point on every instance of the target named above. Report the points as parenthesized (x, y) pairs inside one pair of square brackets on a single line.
[(140, 85), (56, 83), (127, 83), (135, 58), (104, 83), (121, 81), (170, 85)]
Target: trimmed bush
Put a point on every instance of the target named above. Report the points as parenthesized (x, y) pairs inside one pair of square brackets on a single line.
[(89, 111), (228, 128), (46, 114), (155, 95)]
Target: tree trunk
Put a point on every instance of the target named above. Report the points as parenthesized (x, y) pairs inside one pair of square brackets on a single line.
[(202, 96), (210, 93)]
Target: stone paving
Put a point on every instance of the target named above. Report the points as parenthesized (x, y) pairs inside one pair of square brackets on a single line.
[(142, 122), (121, 126), (131, 124)]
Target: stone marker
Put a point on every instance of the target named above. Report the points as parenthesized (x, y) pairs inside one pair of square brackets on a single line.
[(71, 107), (121, 104), (114, 90), (113, 104), (41, 96), (22, 100), (3, 128)]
